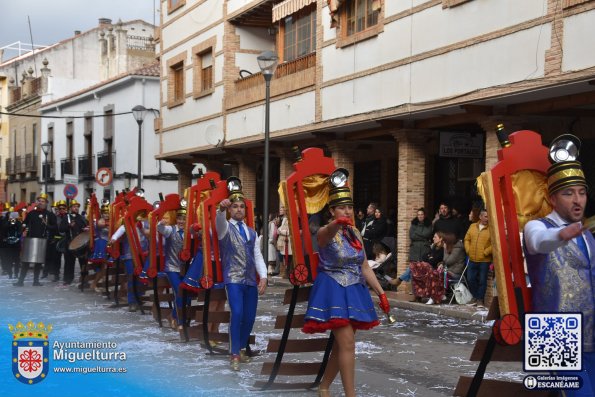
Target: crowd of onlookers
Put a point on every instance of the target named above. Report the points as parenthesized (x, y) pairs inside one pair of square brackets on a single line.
[(444, 250)]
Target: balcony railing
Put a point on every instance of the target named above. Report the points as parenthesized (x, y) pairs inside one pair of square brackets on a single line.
[(10, 167), (30, 163), (19, 164), (47, 170), (289, 77), (15, 95), (106, 159), (85, 165), (67, 166)]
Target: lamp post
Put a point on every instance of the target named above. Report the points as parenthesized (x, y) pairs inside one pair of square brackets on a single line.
[(139, 112), (45, 148), (267, 61)]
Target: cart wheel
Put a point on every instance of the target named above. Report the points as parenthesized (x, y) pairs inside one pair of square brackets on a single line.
[(206, 282), (301, 273), (508, 330), (292, 279)]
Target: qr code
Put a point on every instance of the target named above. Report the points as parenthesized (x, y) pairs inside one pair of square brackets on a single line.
[(553, 341)]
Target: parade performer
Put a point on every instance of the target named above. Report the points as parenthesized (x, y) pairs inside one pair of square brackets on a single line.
[(10, 229), (191, 282), (242, 262), (75, 224), (142, 232), (60, 242), (100, 256), (174, 241), (38, 223), (339, 299), (560, 255)]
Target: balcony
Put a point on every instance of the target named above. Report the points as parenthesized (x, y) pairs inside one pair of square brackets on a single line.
[(31, 163), (289, 76), (85, 163), (10, 169), (67, 166), (106, 160), (19, 164), (48, 171)]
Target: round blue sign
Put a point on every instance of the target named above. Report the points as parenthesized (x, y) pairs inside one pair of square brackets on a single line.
[(70, 191)]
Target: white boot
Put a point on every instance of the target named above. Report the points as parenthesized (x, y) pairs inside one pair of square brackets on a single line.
[(430, 302)]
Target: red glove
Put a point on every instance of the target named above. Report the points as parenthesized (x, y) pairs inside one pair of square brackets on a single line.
[(384, 305), (196, 227), (345, 221)]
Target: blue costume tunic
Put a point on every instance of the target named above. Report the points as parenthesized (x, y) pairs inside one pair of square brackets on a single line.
[(563, 280), (340, 295)]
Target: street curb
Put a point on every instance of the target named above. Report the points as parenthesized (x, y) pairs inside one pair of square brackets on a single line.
[(400, 300)]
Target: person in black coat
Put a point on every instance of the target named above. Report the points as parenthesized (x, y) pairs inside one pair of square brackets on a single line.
[(72, 225), (39, 223), (376, 231)]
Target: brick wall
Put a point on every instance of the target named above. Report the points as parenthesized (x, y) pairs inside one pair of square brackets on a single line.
[(411, 154)]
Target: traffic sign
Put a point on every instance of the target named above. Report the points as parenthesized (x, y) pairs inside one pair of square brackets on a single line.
[(70, 191), (104, 176)]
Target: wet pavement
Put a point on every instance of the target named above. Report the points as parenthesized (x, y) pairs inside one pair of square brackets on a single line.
[(422, 354)]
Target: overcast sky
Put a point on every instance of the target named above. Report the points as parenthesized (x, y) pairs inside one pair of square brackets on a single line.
[(55, 20)]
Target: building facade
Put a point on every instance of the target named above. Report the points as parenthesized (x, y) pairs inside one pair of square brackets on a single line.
[(100, 133), (35, 78), (404, 94)]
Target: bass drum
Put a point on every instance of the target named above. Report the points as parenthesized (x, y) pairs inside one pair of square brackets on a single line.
[(33, 250), (80, 244)]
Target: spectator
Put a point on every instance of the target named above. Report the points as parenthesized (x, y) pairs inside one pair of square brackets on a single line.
[(377, 230), (454, 255), (444, 222), (366, 229), (420, 232), (426, 275), (360, 218), (381, 252), (272, 246), (283, 243), (479, 248)]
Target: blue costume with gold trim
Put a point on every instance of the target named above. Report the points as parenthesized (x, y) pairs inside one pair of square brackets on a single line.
[(340, 295)]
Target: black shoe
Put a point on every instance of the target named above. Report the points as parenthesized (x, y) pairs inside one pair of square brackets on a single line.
[(18, 284), (37, 284), (44, 276)]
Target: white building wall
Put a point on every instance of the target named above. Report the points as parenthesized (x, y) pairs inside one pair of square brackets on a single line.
[(194, 21), (123, 95), (579, 42)]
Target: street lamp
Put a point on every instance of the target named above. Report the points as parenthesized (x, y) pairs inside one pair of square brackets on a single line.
[(139, 112), (267, 61), (45, 148)]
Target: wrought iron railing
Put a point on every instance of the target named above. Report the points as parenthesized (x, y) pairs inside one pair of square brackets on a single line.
[(67, 166), (85, 163), (106, 160)]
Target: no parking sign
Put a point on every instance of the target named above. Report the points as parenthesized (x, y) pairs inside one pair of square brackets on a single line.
[(70, 191)]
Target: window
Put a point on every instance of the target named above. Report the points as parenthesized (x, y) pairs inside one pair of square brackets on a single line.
[(175, 80), (360, 20), (108, 122), (299, 34), (360, 16), (204, 60), (173, 5)]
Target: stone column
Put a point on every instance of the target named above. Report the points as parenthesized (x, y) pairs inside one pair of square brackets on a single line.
[(411, 182), (247, 174), (185, 177), (342, 152)]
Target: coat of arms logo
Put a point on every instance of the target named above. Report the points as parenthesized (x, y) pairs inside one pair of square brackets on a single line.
[(30, 351)]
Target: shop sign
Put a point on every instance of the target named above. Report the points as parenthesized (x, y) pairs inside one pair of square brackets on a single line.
[(461, 144)]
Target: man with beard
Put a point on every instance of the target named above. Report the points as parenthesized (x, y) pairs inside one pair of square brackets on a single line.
[(560, 256)]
